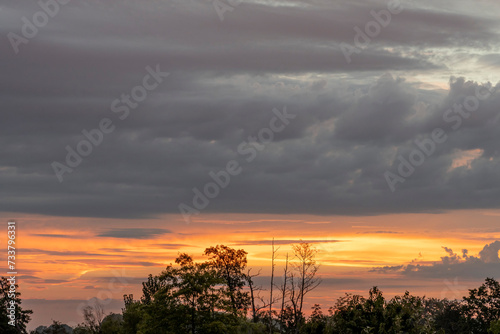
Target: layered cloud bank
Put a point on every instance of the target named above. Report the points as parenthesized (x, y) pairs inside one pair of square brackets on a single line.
[(465, 266), (225, 78), (354, 120)]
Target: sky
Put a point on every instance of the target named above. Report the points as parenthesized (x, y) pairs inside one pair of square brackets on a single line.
[(131, 131)]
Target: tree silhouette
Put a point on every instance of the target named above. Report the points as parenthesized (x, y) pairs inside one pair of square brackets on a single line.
[(482, 306), (230, 265), (303, 279), (210, 298), (10, 302)]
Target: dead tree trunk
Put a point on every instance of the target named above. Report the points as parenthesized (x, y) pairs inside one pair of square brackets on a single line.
[(283, 290)]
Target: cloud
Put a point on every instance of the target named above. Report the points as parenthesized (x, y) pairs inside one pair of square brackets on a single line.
[(490, 60), (172, 246), (353, 120), (63, 253), (453, 265), (379, 232), (37, 280), (489, 254), (134, 233), (282, 242), (62, 236)]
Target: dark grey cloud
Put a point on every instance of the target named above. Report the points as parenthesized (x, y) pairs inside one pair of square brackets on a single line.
[(134, 233), (226, 77)]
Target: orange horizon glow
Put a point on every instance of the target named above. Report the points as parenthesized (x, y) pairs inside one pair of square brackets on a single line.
[(60, 260)]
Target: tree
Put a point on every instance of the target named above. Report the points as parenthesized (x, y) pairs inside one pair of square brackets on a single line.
[(482, 306), (254, 295), (271, 301), (187, 298), (132, 314), (192, 288), (494, 327), (81, 329), (56, 328), (407, 314), (349, 314), (92, 317), (317, 323), (448, 316), (112, 324), (230, 265), (13, 319), (283, 289), (151, 287), (402, 314), (303, 280)]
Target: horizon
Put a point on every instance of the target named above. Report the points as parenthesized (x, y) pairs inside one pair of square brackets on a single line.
[(356, 254)]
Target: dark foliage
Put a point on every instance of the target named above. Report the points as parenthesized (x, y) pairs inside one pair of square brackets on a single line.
[(215, 297)]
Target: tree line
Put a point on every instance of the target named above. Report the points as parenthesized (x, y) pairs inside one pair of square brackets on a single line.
[(220, 296)]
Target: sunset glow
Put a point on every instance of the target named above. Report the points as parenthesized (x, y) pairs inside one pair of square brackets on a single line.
[(69, 264)]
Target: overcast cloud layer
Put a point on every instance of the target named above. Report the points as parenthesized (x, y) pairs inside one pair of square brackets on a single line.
[(352, 120)]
